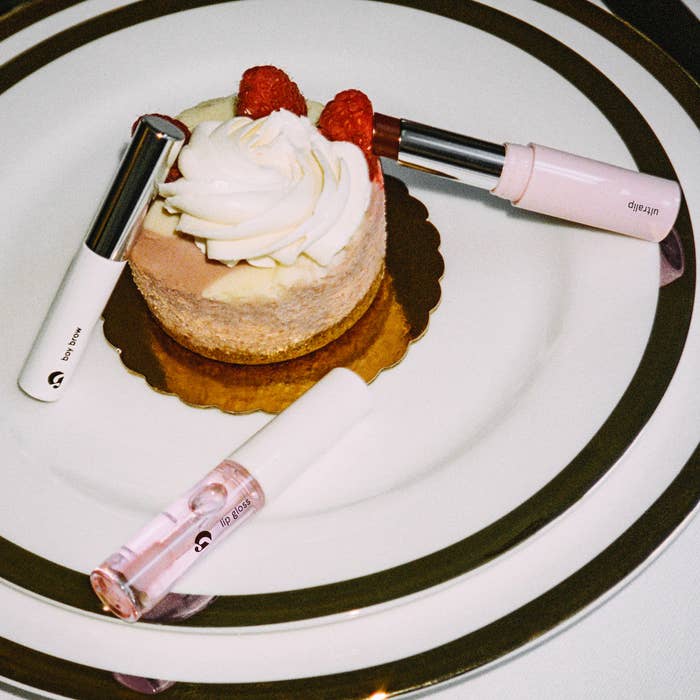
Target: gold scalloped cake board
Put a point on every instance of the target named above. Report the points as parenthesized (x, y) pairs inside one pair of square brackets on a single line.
[(398, 315)]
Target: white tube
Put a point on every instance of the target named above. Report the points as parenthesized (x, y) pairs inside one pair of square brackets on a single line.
[(64, 335)]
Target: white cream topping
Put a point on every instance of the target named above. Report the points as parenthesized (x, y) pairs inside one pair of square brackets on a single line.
[(268, 190)]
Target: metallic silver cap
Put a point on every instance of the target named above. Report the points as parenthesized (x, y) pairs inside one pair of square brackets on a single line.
[(144, 165), (463, 158)]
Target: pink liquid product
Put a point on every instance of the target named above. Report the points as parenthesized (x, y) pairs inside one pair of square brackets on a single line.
[(133, 580)]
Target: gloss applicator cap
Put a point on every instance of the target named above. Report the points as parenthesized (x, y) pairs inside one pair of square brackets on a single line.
[(133, 580), (95, 268), (285, 447)]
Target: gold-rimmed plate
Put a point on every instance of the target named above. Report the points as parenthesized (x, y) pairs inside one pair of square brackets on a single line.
[(546, 362)]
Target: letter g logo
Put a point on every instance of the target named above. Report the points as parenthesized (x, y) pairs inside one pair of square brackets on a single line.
[(55, 379), (202, 540)]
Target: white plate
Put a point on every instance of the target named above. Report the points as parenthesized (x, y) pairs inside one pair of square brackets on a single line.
[(551, 349)]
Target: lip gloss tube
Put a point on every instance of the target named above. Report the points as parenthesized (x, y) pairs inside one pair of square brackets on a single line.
[(134, 579), (95, 268), (537, 178)]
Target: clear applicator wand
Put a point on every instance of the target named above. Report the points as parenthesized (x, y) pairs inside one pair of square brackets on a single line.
[(135, 578), (95, 268), (537, 178)]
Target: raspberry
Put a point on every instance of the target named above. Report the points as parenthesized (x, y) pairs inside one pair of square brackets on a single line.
[(349, 116), (265, 89), (174, 172)]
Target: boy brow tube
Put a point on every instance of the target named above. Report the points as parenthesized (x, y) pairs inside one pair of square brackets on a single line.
[(95, 268)]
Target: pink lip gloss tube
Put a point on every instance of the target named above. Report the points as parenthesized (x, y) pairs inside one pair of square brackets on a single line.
[(538, 178), (135, 578)]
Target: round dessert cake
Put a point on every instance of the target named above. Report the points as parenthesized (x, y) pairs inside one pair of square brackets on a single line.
[(268, 239)]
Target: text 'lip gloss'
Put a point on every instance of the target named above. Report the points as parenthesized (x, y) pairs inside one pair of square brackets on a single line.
[(134, 579), (95, 268), (537, 178)]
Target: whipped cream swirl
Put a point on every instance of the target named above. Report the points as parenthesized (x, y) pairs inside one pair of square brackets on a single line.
[(268, 190)]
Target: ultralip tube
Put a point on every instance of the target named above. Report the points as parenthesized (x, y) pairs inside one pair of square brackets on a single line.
[(538, 178), (135, 578), (95, 268)]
